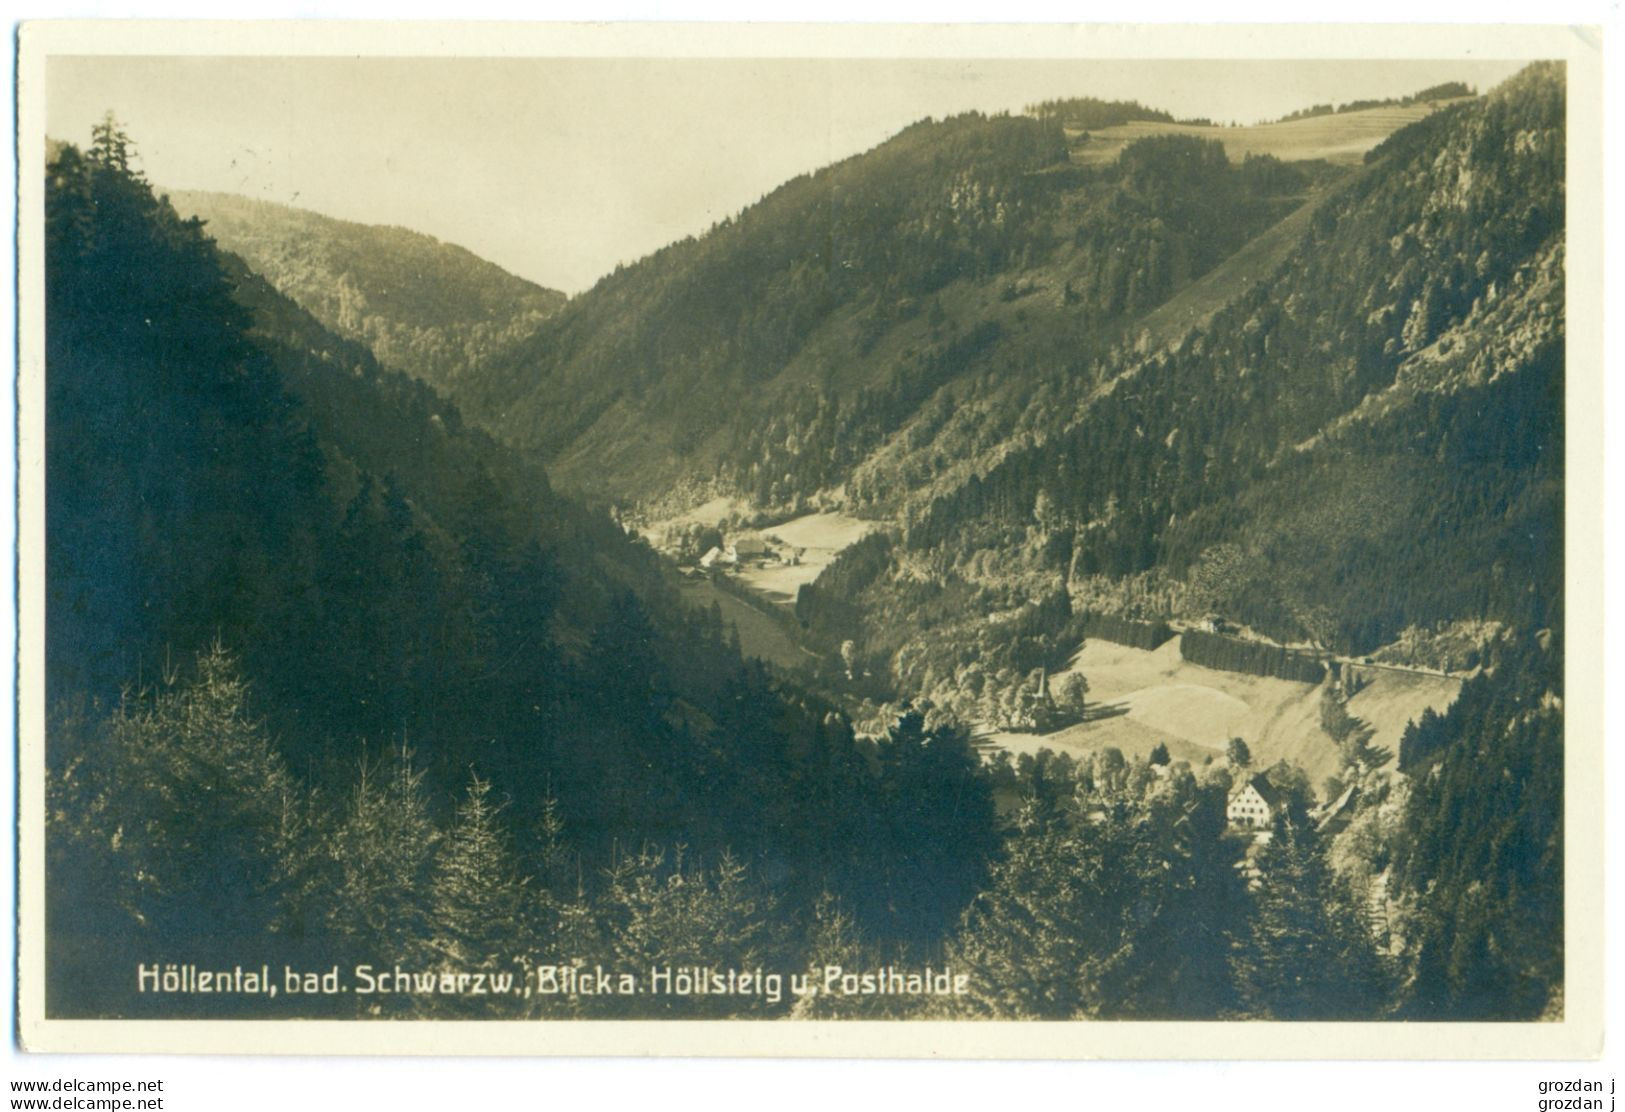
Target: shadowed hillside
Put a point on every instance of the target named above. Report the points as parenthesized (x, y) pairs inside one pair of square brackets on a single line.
[(431, 309)]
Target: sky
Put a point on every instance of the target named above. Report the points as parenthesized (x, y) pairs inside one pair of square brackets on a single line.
[(560, 169)]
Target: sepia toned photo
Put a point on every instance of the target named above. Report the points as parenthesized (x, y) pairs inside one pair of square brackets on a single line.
[(908, 543)]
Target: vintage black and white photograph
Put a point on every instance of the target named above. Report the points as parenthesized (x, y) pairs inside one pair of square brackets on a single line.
[(576, 536)]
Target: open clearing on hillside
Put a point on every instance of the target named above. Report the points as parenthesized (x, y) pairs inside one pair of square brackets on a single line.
[(1256, 260), (1344, 137), (1143, 698), (706, 513), (821, 537)]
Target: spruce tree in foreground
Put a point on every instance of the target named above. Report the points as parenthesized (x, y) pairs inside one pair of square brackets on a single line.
[(1307, 952), (476, 893), (380, 857), (177, 828)]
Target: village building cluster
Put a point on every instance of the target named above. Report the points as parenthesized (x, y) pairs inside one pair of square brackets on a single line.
[(749, 550)]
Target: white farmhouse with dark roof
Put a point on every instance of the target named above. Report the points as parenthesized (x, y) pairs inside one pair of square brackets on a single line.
[(1253, 805)]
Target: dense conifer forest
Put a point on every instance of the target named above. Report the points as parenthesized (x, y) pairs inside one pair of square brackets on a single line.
[(431, 309), (285, 580)]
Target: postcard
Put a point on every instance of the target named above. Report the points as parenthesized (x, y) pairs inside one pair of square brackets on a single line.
[(817, 540)]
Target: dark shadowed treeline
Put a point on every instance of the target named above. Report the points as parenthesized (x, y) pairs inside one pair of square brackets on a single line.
[(1213, 650), (783, 347), (1126, 631), (1480, 861), (223, 472)]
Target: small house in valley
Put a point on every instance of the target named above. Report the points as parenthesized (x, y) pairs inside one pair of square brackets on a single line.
[(749, 548), (1254, 804)]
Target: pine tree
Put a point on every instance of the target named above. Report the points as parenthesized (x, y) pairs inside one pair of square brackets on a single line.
[(1308, 951), (176, 826), (181, 486), (1478, 860), (477, 897), (1029, 935), (381, 857), (834, 938), (671, 912), (1123, 904), (110, 146)]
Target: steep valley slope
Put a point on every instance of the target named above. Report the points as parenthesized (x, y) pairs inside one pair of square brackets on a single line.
[(432, 309)]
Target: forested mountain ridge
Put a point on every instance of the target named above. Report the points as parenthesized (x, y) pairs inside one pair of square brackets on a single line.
[(775, 352), (1369, 439), (432, 309), (973, 346), (272, 562)]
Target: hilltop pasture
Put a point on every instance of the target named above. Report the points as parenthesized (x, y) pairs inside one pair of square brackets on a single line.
[(1341, 138)]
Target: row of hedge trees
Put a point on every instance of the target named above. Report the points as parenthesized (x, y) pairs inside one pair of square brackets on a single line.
[(1214, 650)]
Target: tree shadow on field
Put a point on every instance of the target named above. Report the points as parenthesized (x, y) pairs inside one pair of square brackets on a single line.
[(1099, 712)]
